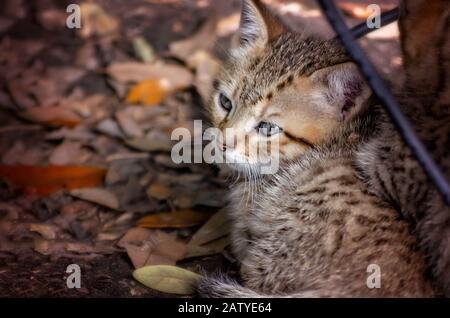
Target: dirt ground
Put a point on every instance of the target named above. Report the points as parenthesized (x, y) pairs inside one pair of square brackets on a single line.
[(92, 97)]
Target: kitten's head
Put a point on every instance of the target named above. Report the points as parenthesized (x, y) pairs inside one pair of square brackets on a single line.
[(281, 86)]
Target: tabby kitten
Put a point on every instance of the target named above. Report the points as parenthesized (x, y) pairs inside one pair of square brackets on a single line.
[(386, 163), (311, 229)]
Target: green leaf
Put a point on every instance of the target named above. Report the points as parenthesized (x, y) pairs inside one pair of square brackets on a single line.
[(143, 50), (167, 279)]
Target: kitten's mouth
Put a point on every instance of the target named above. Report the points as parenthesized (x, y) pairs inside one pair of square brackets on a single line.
[(245, 165), (236, 159), (245, 168)]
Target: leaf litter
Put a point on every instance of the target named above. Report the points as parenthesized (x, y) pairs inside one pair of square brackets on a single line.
[(86, 173)]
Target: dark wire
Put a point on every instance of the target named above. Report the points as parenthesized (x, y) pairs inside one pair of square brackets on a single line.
[(386, 98), (387, 17)]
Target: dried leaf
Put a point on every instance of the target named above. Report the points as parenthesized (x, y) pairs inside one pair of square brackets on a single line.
[(174, 77), (97, 195), (68, 152), (213, 198), (149, 92), (154, 141), (96, 21), (217, 226), (52, 116), (111, 128), (160, 191), (108, 236), (152, 247), (211, 238), (207, 67), (20, 153), (47, 247), (176, 219), (215, 247), (45, 230), (204, 39), (129, 125), (167, 279), (84, 248), (44, 180)]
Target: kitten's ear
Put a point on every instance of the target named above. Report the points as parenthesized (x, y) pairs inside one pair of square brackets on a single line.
[(258, 25), (343, 87)]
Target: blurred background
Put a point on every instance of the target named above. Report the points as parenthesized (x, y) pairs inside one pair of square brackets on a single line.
[(86, 116)]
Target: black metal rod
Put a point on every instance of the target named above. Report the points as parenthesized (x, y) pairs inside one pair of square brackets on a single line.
[(386, 98), (386, 18)]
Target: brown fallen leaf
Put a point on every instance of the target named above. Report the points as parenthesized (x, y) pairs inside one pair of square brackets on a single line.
[(96, 21), (69, 152), (129, 125), (214, 247), (45, 230), (48, 247), (152, 247), (167, 279), (20, 153), (215, 198), (51, 116), (78, 134), (211, 238), (153, 141), (111, 128), (207, 67), (203, 39), (176, 219), (60, 248), (97, 195), (48, 179), (173, 77), (84, 248), (159, 190), (217, 227), (108, 236)]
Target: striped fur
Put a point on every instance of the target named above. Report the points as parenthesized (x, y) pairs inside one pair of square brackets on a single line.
[(312, 229), (386, 163)]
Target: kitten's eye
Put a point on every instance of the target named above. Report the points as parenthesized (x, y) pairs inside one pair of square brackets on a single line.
[(268, 129), (225, 102)]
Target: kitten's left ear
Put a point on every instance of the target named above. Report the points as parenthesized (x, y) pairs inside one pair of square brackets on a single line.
[(344, 88), (258, 25)]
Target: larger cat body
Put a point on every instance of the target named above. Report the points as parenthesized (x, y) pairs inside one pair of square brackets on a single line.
[(387, 165)]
